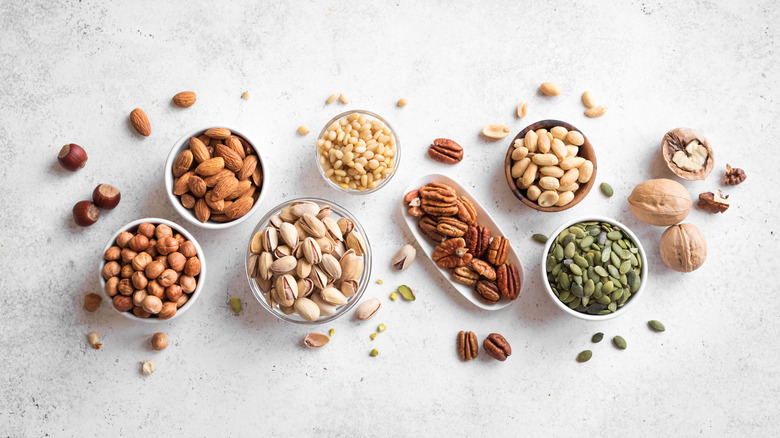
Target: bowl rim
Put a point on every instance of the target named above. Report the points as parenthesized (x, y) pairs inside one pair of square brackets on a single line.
[(187, 214), (628, 304), (367, 268), (201, 277), (584, 189), (396, 161)]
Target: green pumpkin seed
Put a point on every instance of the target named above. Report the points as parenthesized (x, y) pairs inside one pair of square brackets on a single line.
[(580, 261), (590, 259), (615, 260), (577, 290), (608, 287), (584, 356), (624, 298), (575, 303), (586, 242), (577, 232), (606, 254), (606, 189), (593, 230), (600, 271), (625, 267), (568, 239), (585, 301), (576, 270), (564, 295), (633, 281), (604, 299), (622, 244), (589, 288), (550, 263), (597, 338), (541, 238), (616, 294), (568, 252), (656, 325), (406, 292), (619, 342), (577, 279)]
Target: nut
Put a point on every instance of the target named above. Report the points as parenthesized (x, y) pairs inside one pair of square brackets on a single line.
[(588, 100), (185, 99), (508, 279), (688, 154), (714, 202), (466, 211), (168, 310), (316, 340), (106, 196), (477, 240), (72, 157), (660, 202), (446, 151), (498, 251), (368, 309), (483, 269), (140, 122), (452, 253), (522, 110), (404, 257), (550, 89), (734, 176), (465, 275), (94, 340), (497, 347), (468, 346), (596, 111), (85, 213), (451, 227), (159, 341), (488, 290), (428, 226), (148, 367), (495, 131), (683, 247)]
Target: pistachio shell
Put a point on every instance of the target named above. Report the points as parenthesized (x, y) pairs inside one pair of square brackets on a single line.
[(302, 234), (287, 310), (270, 300), (269, 239), (289, 234), (325, 308), (256, 245), (326, 244), (345, 225), (307, 309), (286, 215), (252, 264), (276, 221), (333, 296), (313, 226), (349, 288), (303, 269), (404, 257), (312, 251), (264, 284), (356, 242), (339, 250), (264, 265), (368, 309), (287, 290), (305, 287), (324, 212), (284, 264), (349, 265), (333, 229), (298, 209), (316, 340), (318, 277), (331, 266), (282, 251)]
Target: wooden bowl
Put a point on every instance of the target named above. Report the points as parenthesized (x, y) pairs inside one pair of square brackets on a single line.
[(586, 151)]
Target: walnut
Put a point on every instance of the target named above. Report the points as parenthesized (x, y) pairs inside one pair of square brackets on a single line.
[(714, 203), (683, 247), (734, 176), (687, 153)]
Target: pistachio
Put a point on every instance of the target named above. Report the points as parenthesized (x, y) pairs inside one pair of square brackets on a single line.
[(289, 234), (235, 304), (312, 225), (333, 230), (264, 265), (284, 264), (255, 245), (404, 257), (356, 242), (326, 244), (305, 287), (331, 332), (315, 340), (406, 292), (307, 309), (349, 265), (287, 310), (298, 209), (331, 266), (270, 300), (325, 308), (251, 265), (263, 284), (287, 290), (349, 288), (303, 269), (333, 296), (276, 221), (312, 251), (324, 212), (394, 295), (373, 336), (368, 309), (269, 239), (381, 328), (319, 278), (282, 251), (286, 215), (345, 225), (374, 352)]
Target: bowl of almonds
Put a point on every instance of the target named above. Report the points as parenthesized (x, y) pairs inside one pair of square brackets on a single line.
[(214, 177), (550, 166), (308, 261)]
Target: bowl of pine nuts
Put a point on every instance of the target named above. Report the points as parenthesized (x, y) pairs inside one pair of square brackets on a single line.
[(357, 152)]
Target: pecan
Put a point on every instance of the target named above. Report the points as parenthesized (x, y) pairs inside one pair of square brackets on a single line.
[(497, 347), (416, 211), (411, 196), (483, 268), (439, 208), (499, 248), (468, 347), (438, 192), (714, 203), (466, 211), (451, 227), (734, 176), (508, 279), (465, 275), (477, 240), (445, 151), (452, 253), (488, 290), (428, 227)]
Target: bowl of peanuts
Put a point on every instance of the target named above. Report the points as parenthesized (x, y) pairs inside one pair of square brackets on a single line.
[(357, 152), (550, 166)]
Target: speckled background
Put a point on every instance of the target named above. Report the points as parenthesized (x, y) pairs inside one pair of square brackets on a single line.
[(72, 72)]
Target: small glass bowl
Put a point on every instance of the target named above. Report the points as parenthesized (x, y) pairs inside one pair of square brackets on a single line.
[(396, 160), (337, 211)]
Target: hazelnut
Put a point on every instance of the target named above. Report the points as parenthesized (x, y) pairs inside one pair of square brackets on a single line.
[(123, 239), (154, 269), (159, 341), (139, 280), (72, 157), (140, 312), (122, 303), (92, 302), (148, 367), (138, 243), (168, 277), (139, 296), (168, 310), (111, 286), (188, 284), (176, 261), (127, 271), (182, 301), (173, 292), (94, 340), (192, 267), (154, 288), (125, 287), (85, 213), (141, 261), (162, 231), (111, 269), (106, 196), (112, 253), (179, 238), (147, 229), (152, 304), (162, 259), (187, 249), (152, 248), (127, 255), (167, 245), (683, 247)]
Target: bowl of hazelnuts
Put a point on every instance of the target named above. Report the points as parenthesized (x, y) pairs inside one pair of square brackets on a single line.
[(152, 270)]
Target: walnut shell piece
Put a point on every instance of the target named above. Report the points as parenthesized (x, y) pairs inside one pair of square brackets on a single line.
[(660, 202), (683, 142), (683, 247)]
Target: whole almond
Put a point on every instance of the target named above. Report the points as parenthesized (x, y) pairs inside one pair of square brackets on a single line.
[(239, 208), (211, 181), (240, 189), (234, 143), (212, 166), (257, 176), (197, 186), (202, 211), (596, 111), (218, 133), (216, 206), (182, 184), (550, 88), (185, 99), (199, 151), (224, 187), (232, 160), (248, 167), (140, 122), (182, 163)]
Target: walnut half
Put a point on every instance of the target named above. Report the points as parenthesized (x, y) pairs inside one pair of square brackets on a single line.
[(714, 202), (688, 154)]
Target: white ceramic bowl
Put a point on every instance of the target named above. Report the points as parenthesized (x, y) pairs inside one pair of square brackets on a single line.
[(176, 228), (631, 300), (188, 214)]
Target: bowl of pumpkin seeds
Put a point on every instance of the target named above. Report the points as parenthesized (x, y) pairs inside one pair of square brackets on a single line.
[(594, 268)]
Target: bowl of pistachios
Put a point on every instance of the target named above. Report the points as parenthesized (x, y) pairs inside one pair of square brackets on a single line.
[(308, 261), (594, 268)]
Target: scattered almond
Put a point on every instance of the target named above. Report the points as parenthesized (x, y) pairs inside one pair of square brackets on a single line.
[(140, 122), (185, 99)]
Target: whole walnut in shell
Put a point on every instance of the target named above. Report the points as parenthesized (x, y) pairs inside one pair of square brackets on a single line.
[(688, 154), (683, 247), (660, 202)]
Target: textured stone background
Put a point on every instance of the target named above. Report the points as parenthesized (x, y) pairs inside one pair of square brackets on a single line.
[(72, 72)]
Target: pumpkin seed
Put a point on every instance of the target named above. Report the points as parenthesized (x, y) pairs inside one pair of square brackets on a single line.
[(656, 325), (584, 356), (597, 338), (586, 242), (541, 238), (577, 232), (568, 252), (406, 292), (558, 253), (606, 189), (619, 342), (580, 261), (576, 270), (614, 235)]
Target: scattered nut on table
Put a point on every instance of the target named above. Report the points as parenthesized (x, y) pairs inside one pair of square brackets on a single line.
[(148, 367), (94, 340), (687, 153)]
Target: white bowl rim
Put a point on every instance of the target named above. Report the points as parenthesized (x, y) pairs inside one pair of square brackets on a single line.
[(632, 300), (201, 277), (187, 214)]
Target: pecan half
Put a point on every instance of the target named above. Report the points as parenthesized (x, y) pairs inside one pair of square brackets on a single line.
[(452, 253), (497, 347), (451, 227), (438, 192), (477, 240), (439, 208), (499, 248), (508, 279), (411, 196), (468, 346), (445, 151), (428, 227), (483, 268), (714, 203), (465, 275), (488, 290), (416, 211), (466, 211)]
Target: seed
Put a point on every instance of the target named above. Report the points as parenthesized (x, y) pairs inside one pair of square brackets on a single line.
[(394, 296), (597, 338), (656, 326), (235, 304), (343, 99), (541, 238), (381, 328), (406, 292), (332, 98), (584, 356), (606, 189), (402, 102), (374, 352), (373, 336), (303, 130), (331, 332), (619, 342)]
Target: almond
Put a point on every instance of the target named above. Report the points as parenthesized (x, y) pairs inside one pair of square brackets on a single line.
[(182, 184), (249, 192), (185, 99), (199, 151), (257, 176), (202, 211), (220, 218), (224, 188), (240, 189), (212, 180), (140, 122), (216, 206), (234, 143), (212, 166), (246, 170), (248, 150), (232, 160), (197, 186), (239, 208), (182, 163), (218, 133)]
